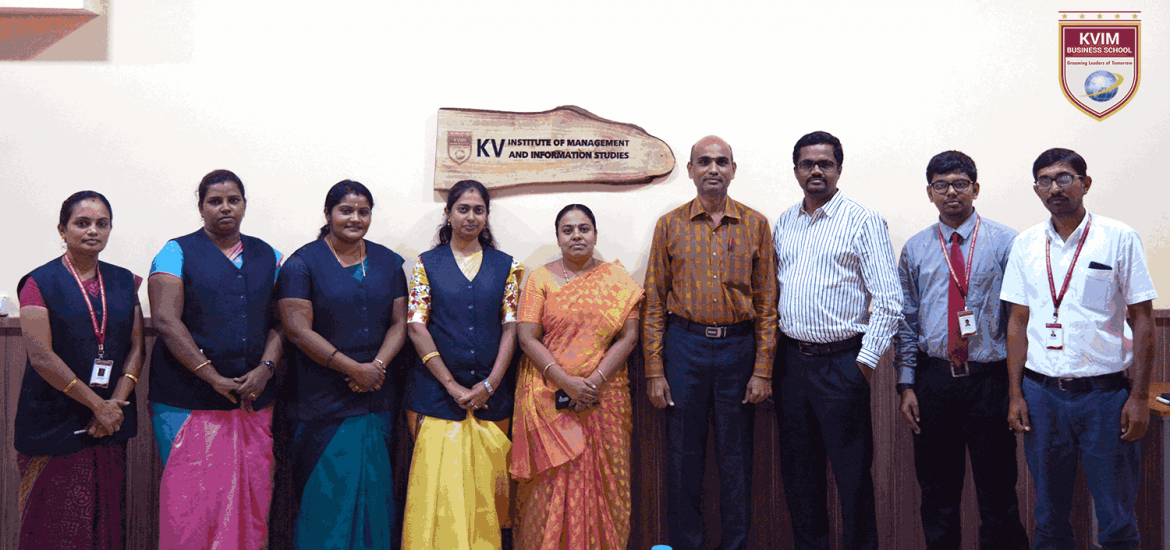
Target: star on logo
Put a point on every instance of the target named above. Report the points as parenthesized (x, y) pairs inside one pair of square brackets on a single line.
[(1098, 16), (1082, 16)]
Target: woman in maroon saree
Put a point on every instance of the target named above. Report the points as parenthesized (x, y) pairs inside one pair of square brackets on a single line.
[(82, 326)]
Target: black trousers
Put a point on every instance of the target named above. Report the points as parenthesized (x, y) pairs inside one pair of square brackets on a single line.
[(960, 415), (823, 413), (708, 376)]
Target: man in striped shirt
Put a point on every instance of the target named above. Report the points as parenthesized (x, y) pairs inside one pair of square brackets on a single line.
[(709, 337), (839, 304)]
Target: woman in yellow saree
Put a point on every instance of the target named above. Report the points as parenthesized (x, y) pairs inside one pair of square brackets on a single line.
[(578, 322)]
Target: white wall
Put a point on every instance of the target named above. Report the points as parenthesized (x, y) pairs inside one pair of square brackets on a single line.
[(297, 96)]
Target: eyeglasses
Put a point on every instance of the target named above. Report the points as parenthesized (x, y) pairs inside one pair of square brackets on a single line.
[(940, 186), (1063, 180), (807, 165)]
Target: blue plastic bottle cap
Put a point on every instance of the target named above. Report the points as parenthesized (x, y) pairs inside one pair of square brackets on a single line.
[(660, 547)]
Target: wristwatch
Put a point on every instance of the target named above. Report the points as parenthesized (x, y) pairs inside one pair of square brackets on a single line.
[(271, 366)]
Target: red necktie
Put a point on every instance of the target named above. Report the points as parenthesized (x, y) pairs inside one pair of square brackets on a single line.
[(956, 344)]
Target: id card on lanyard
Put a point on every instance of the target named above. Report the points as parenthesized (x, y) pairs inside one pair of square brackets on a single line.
[(966, 318), (1054, 332), (102, 368)]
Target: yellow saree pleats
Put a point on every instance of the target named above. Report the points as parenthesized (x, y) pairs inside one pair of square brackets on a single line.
[(459, 490)]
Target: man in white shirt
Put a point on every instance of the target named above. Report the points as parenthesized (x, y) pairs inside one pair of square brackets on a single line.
[(839, 304), (1071, 281)]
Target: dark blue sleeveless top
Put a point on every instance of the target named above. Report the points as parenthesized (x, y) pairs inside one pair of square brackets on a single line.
[(352, 315), (227, 310), (465, 324), (45, 417)]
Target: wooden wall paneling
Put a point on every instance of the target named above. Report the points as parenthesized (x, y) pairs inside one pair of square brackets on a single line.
[(11, 351), (1150, 510), (905, 497), (888, 435), (143, 467), (1025, 488), (771, 524), (1160, 371), (896, 488), (647, 460)]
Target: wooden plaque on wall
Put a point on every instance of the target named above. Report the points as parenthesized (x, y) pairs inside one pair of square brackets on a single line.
[(564, 145)]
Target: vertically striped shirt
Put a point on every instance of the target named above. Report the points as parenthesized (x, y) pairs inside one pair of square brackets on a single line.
[(837, 276), (712, 275)]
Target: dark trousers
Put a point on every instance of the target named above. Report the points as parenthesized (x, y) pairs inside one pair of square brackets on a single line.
[(1085, 427), (823, 413), (960, 415), (708, 375)]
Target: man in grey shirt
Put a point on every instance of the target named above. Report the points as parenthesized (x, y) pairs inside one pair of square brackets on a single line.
[(951, 350)]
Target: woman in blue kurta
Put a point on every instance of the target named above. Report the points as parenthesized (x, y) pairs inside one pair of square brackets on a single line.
[(462, 320), (342, 301), (82, 326), (211, 296)]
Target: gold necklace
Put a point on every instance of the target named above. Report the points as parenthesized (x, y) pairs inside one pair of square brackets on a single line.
[(565, 272), (362, 256)]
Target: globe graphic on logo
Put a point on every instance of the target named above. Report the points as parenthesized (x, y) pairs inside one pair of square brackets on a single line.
[(1098, 81)]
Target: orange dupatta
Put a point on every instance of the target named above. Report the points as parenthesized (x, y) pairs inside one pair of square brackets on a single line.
[(580, 321)]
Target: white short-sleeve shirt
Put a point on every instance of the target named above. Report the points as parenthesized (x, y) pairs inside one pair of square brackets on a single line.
[(1110, 274)]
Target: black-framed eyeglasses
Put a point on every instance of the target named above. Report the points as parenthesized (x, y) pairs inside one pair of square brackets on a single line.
[(1063, 180), (808, 165), (940, 186)]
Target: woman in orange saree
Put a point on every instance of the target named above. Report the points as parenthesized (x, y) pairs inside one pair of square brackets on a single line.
[(578, 322)]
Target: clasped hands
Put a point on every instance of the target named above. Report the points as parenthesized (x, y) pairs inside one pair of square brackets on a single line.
[(366, 377), (584, 393), (242, 389), (107, 418), (469, 399)]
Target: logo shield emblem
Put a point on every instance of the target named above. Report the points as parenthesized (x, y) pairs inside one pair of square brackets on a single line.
[(1100, 60), (459, 146)]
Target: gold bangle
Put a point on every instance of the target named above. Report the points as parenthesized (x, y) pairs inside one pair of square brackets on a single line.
[(201, 365), (70, 386), (545, 371), (429, 356), (380, 363), (132, 377), (602, 375)]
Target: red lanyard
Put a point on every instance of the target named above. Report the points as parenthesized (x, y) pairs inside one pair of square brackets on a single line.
[(970, 257), (98, 331), (1057, 299)]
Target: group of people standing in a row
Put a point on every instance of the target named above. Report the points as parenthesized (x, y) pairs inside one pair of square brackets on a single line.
[(338, 312), (733, 310)]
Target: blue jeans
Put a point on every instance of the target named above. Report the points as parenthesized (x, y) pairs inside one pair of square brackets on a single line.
[(1085, 427), (708, 375)]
